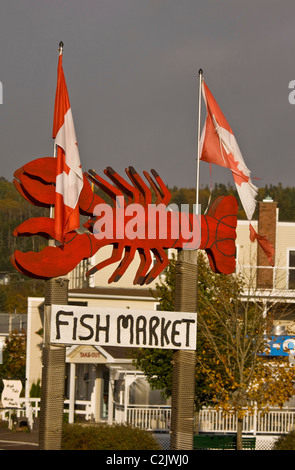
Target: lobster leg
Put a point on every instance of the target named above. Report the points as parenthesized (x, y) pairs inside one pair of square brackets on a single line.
[(145, 262), (108, 188), (156, 189), (115, 256), (128, 257), (163, 194), (131, 192), (140, 184), (162, 262)]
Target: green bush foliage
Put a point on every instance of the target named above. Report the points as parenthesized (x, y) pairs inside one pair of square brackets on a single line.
[(105, 437), (285, 442)]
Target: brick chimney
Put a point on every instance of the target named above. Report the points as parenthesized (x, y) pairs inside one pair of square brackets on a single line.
[(267, 226)]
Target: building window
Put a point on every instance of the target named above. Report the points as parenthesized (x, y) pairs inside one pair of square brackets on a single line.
[(291, 274)]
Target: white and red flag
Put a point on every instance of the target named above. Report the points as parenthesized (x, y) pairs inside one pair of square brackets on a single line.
[(218, 145), (69, 176)]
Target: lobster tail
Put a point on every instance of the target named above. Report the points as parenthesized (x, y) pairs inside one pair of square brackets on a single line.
[(221, 247)]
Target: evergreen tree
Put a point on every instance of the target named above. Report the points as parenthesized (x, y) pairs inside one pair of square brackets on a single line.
[(14, 358)]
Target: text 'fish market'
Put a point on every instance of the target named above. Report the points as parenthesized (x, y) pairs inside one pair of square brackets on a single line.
[(123, 327)]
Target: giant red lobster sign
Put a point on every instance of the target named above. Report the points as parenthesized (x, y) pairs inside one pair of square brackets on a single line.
[(36, 182)]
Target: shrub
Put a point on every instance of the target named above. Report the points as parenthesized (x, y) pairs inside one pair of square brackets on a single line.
[(105, 437), (35, 391), (285, 442)]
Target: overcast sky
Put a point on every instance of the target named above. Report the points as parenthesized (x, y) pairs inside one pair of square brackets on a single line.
[(131, 68)]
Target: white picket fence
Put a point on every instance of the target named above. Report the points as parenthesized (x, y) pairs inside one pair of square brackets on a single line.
[(156, 418), (30, 408), (275, 421)]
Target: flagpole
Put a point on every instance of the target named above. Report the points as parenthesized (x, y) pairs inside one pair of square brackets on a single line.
[(184, 362), (60, 51), (198, 143)]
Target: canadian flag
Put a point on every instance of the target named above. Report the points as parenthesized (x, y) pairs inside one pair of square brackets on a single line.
[(266, 246), (69, 176), (218, 145)]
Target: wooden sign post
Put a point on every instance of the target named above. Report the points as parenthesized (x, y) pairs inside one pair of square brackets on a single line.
[(184, 362), (53, 372)]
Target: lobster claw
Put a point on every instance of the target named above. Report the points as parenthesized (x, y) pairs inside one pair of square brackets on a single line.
[(35, 181), (43, 226), (54, 261)]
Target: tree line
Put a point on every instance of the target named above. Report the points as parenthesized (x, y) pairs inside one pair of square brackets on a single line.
[(13, 211), (285, 198)]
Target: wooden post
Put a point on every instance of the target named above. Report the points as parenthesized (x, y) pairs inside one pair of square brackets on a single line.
[(53, 372), (184, 362)]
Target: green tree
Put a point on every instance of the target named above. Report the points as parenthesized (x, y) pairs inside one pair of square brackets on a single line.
[(14, 357), (14, 296)]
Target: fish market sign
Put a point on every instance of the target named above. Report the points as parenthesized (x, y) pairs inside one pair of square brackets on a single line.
[(97, 326)]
